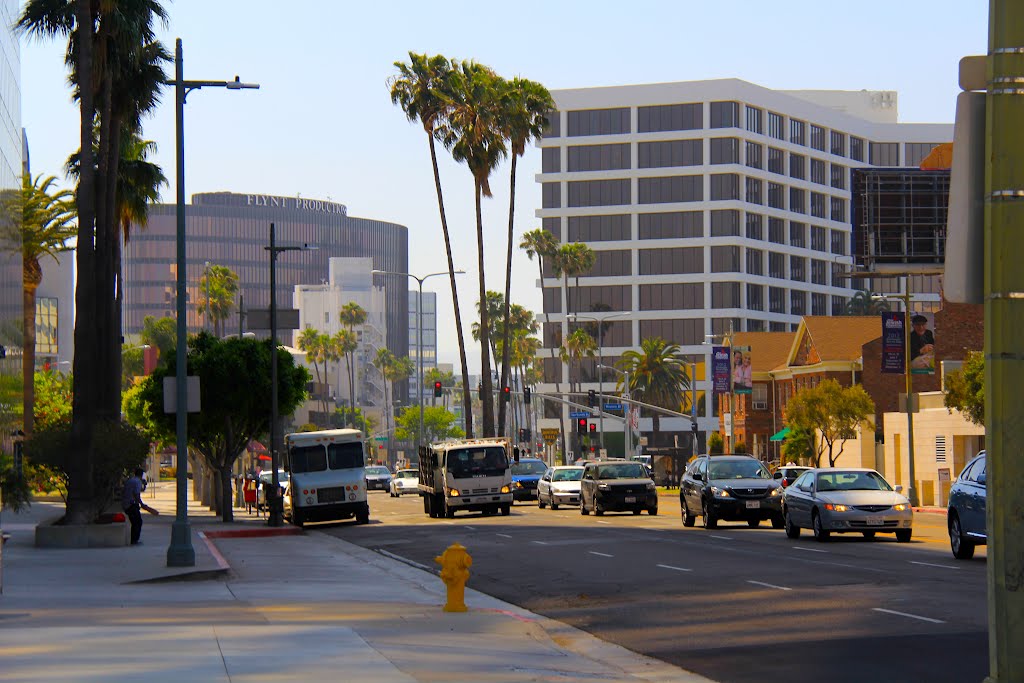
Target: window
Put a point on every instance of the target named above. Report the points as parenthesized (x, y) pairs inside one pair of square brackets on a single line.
[(754, 325), (838, 146), (839, 239), (755, 226), (759, 397), (797, 234), (755, 190), (685, 332), (674, 225), (776, 199), (797, 132), (818, 171), (725, 114), (669, 297), (817, 138), (599, 192), (725, 223), (670, 153), (797, 302), (755, 120), (725, 151), (725, 186), (755, 154), (670, 117), (818, 205), (776, 126), (776, 304), (599, 122), (776, 161), (775, 230), (551, 195), (819, 273), (603, 298), (598, 157), (838, 209), (725, 259), (613, 263), (551, 160), (755, 298), (838, 305), (839, 176), (818, 238), (554, 226), (599, 228), (884, 154), (797, 200), (776, 326), (819, 304), (725, 295), (915, 152), (670, 189), (671, 261), (776, 265), (839, 275), (553, 124), (798, 268), (798, 166), (856, 148), (755, 261)]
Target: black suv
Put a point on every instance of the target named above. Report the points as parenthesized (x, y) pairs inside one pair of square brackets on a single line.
[(730, 487), (617, 486)]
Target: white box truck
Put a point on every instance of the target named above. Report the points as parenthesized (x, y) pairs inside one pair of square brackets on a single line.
[(467, 474)]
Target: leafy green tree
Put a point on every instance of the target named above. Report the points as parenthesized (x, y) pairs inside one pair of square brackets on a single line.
[(222, 284), (657, 374), (438, 424), (161, 334), (54, 396), (831, 410), (235, 391), (965, 389), (716, 444), (799, 446), (422, 89)]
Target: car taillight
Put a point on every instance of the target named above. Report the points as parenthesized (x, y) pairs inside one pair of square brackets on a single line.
[(305, 492)]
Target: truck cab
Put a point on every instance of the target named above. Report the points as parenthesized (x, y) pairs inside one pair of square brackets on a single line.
[(466, 474)]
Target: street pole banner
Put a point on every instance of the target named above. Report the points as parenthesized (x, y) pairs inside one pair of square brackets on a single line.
[(720, 372), (742, 371), (922, 344), (893, 342)]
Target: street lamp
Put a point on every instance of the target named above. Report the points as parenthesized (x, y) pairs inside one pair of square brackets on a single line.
[(419, 333), (627, 429), (600, 360), (181, 553), (276, 504), (726, 337)]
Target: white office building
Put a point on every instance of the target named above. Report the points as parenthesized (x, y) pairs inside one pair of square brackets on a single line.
[(425, 345), (711, 205)]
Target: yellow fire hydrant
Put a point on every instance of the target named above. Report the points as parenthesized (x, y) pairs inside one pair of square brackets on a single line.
[(455, 563)]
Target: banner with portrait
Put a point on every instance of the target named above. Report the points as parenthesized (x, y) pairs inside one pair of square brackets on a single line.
[(720, 369), (742, 370), (922, 344), (893, 343)]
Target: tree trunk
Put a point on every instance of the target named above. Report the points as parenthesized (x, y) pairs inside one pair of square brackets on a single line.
[(485, 344), (507, 338), (31, 277), (352, 391), (227, 513)]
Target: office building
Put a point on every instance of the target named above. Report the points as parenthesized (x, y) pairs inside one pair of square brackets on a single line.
[(428, 348)]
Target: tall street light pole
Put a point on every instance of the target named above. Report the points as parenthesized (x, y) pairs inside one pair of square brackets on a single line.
[(627, 428), (600, 361), (419, 335), (727, 339), (275, 517), (180, 553)]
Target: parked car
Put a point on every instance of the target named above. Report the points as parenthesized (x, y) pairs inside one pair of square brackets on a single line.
[(405, 481), (525, 475), (787, 474), (852, 500), (965, 515), (559, 486), (732, 488), (617, 487), (266, 480), (378, 477)]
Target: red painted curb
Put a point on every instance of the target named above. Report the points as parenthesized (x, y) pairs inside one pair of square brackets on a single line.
[(253, 533)]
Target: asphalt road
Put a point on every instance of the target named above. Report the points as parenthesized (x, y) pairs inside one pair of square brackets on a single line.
[(734, 604)]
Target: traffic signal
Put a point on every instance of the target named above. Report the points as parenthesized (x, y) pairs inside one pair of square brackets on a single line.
[(592, 398), (505, 393), (437, 389), (526, 395), (593, 429), (581, 425), (480, 391)]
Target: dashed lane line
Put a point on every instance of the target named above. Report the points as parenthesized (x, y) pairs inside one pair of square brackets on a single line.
[(810, 550), (724, 538), (678, 569), (770, 585), (908, 615), (594, 552), (932, 564), (503, 535)]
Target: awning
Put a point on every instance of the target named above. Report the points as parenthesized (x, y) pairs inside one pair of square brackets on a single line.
[(781, 435)]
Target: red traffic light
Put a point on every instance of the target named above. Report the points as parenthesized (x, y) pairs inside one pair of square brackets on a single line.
[(593, 428), (437, 389), (581, 425)]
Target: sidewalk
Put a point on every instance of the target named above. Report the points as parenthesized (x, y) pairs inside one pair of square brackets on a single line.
[(291, 606)]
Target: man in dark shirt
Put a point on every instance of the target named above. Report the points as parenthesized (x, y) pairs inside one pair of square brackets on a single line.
[(131, 502), (922, 341)]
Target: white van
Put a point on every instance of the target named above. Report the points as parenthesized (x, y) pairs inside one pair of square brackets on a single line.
[(327, 476)]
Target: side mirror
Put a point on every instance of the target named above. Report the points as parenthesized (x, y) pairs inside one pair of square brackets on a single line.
[(982, 479), (697, 476), (899, 488), (777, 475)]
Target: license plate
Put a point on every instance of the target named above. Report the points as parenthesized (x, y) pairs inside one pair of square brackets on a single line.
[(753, 504), (630, 499), (875, 521)]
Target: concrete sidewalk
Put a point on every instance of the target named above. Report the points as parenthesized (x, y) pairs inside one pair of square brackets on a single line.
[(291, 606)]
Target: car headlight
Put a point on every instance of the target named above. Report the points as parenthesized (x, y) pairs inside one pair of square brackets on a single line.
[(518, 484), (835, 507), (651, 487), (454, 493), (506, 489), (900, 507), (603, 487), (778, 492), (720, 493)]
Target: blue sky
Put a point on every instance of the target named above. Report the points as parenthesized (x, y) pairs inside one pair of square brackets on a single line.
[(322, 123)]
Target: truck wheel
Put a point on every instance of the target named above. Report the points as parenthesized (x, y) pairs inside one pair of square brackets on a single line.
[(297, 518), (506, 509), (449, 511), (363, 516)]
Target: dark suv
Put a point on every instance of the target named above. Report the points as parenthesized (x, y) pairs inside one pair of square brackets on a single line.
[(730, 487), (617, 486), (965, 517)]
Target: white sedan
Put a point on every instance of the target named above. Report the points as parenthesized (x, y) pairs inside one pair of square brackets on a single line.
[(559, 486), (405, 481)]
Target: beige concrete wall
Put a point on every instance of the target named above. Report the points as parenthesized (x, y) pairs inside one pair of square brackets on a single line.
[(963, 441)]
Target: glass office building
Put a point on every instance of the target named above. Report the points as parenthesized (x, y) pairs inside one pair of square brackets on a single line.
[(11, 155), (232, 230)]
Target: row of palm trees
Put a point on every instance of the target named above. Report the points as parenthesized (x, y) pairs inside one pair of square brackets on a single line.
[(480, 118), (325, 348)]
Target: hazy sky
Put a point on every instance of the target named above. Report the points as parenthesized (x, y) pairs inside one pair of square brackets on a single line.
[(322, 123)]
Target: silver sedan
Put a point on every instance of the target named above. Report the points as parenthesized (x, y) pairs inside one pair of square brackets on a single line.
[(559, 486), (851, 500)]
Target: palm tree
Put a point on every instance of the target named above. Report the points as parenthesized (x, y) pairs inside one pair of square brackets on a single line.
[(862, 303), (657, 374), (313, 342), (577, 346), (221, 283), (352, 314), (542, 244), (524, 108), (472, 133), (420, 89), (44, 221), (383, 361), (345, 343)]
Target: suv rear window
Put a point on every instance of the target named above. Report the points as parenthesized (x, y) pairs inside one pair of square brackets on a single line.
[(629, 470)]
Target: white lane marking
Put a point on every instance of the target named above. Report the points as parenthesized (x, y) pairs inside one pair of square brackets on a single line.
[(503, 535), (539, 542), (471, 528), (594, 552), (769, 585), (724, 538), (930, 564), (678, 569), (910, 616), (652, 528), (810, 550), (601, 522)]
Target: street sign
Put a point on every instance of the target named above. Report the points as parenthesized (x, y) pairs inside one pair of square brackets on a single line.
[(549, 435), (613, 406), (579, 413), (381, 438)]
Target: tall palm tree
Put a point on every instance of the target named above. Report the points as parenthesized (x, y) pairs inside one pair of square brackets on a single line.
[(420, 88), (862, 303), (345, 343), (352, 315), (221, 283), (657, 374), (542, 244), (472, 132), (578, 345), (524, 108), (382, 361), (44, 223), (312, 341)]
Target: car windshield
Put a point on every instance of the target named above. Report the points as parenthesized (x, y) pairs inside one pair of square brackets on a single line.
[(378, 470), (852, 481), (574, 474), (408, 474), (737, 469), (631, 470), (529, 467), (482, 461)]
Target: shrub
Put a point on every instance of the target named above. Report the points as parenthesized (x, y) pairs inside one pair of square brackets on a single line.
[(168, 473), (740, 447), (715, 443)]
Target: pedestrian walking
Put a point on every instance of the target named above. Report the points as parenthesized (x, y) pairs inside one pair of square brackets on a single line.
[(131, 502)]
